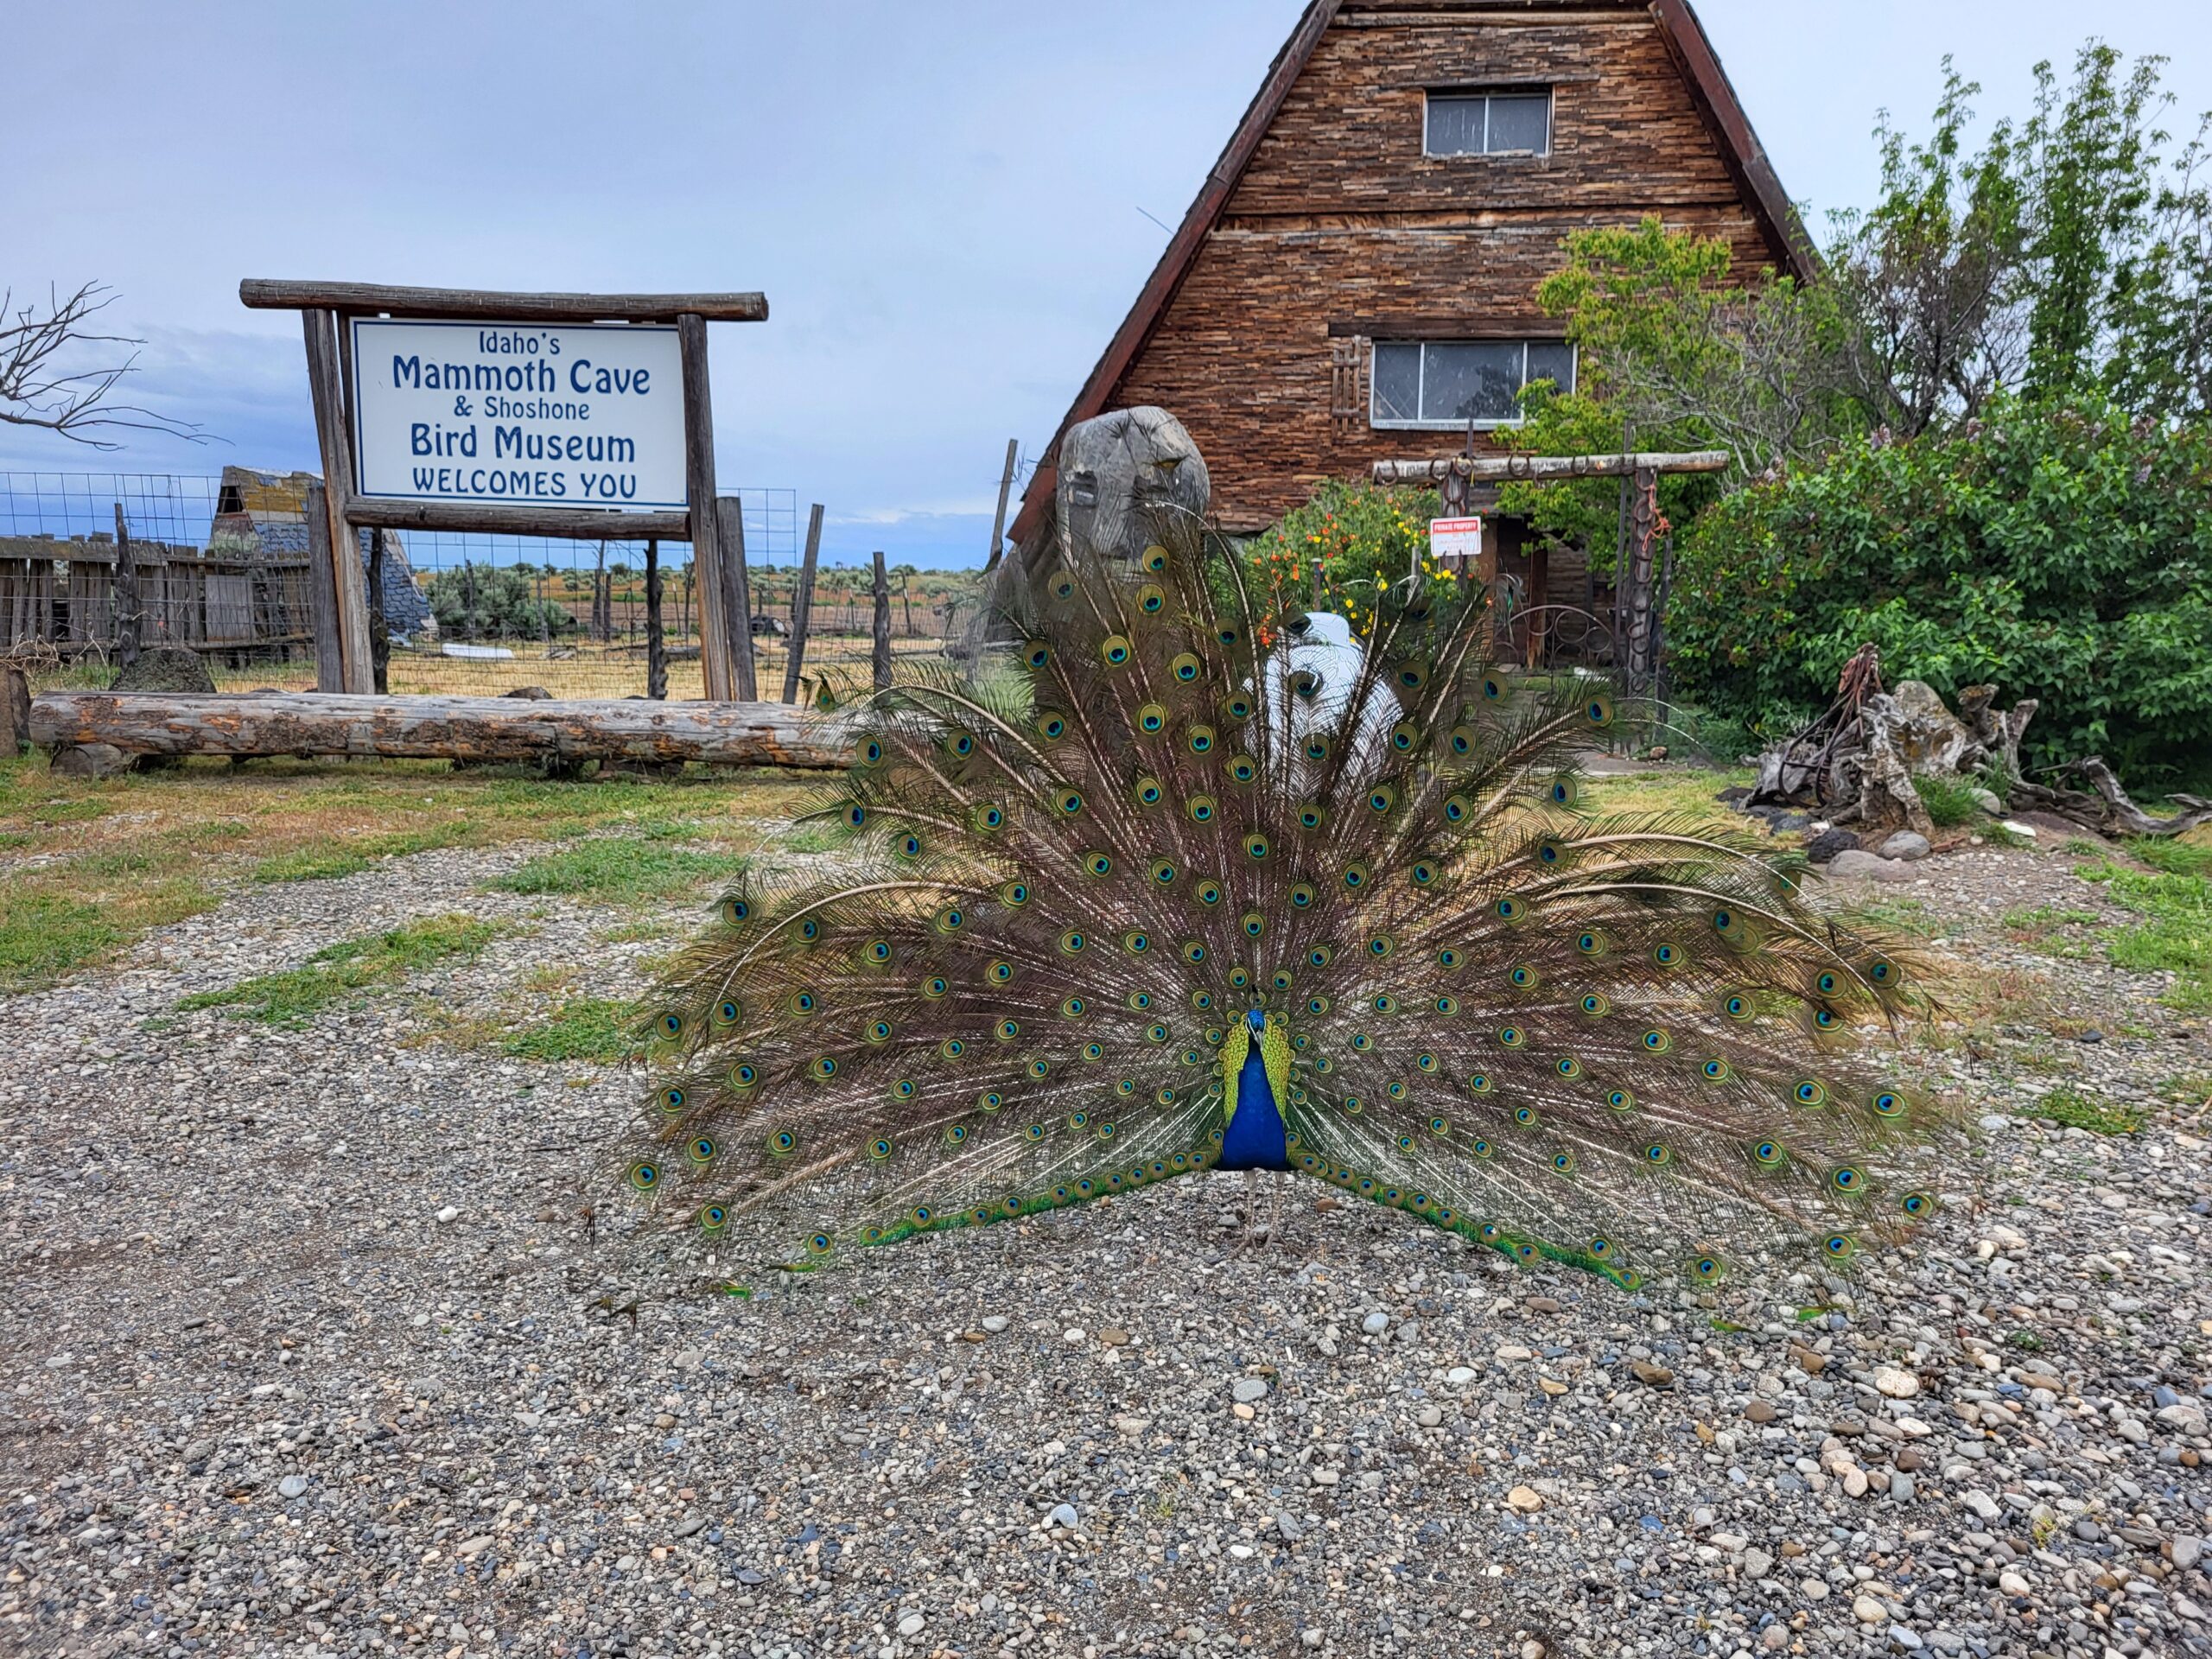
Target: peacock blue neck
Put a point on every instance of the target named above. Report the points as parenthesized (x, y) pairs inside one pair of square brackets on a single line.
[(1256, 1138)]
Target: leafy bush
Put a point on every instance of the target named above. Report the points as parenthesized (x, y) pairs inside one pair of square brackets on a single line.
[(1344, 548), (1949, 801), (2063, 554), (494, 600)]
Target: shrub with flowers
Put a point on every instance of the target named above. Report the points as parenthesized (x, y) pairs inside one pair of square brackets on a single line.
[(1343, 549)]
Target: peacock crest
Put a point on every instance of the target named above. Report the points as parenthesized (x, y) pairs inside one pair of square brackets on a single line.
[(1168, 857)]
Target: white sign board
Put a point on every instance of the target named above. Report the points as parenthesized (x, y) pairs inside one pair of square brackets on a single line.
[(587, 414), (1455, 538)]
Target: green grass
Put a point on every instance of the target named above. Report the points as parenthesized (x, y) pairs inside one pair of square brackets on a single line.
[(352, 857), (2044, 918), (2174, 897), (1949, 801), (586, 1028), (344, 969), (2076, 1110), (74, 916), (43, 936), (620, 871)]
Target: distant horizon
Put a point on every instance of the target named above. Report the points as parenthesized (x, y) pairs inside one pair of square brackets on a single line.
[(941, 275)]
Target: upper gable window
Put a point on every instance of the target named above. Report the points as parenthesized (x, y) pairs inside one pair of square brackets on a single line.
[(1516, 123)]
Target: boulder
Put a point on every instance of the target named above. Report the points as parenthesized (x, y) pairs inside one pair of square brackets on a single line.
[(1868, 866), (167, 668), (1819, 849), (1906, 844)]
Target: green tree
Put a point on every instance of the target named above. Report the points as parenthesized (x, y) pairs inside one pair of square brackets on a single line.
[(1926, 281), (2089, 165), (1675, 354), (2059, 553)]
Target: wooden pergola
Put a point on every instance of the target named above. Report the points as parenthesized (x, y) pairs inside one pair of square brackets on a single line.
[(1635, 596)]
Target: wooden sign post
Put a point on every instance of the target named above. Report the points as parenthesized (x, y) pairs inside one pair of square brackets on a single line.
[(515, 414)]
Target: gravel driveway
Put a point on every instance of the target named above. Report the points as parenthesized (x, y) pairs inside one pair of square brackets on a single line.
[(311, 1349)]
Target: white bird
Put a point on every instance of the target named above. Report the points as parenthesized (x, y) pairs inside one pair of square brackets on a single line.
[(1320, 643)]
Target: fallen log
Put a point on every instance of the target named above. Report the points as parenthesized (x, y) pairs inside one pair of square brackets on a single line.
[(556, 734), (2109, 811)]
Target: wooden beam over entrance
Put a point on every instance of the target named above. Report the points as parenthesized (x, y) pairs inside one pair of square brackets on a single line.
[(1546, 469)]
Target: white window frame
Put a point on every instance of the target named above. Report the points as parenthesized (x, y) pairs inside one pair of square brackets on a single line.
[(1428, 104), (1421, 388)]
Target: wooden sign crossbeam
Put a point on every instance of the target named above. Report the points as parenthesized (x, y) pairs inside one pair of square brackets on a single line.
[(327, 309), (262, 294)]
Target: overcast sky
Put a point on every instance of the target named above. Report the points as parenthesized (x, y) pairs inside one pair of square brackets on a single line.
[(949, 206)]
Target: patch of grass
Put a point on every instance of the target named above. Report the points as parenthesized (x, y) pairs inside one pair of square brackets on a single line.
[(2175, 899), (2174, 856), (620, 870), (2188, 1088), (1684, 790), (584, 1028), (1949, 801), (323, 864), (52, 924), (2076, 1110), (43, 936), (2044, 929), (82, 811), (381, 960), (2044, 918)]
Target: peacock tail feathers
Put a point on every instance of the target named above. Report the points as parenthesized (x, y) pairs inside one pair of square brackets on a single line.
[(1023, 979)]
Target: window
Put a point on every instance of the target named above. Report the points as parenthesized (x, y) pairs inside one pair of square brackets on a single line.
[(1517, 122), (1445, 383)]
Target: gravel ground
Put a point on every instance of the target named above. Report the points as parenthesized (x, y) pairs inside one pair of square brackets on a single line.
[(310, 1349)]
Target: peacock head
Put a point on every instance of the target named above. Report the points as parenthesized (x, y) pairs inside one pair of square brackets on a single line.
[(1256, 1018)]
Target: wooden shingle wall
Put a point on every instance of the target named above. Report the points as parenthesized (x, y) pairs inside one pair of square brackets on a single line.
[(1342, 231)]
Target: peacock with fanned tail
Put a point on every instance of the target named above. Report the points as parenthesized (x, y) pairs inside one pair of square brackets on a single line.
[(1180, 888)]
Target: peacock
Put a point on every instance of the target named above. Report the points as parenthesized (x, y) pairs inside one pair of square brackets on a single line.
[(1178, 881)]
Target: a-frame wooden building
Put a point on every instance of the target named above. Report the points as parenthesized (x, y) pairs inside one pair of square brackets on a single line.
[(1355, 279)]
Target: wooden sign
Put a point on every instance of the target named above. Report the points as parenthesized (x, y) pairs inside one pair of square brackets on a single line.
[(531, 434), (501, 414)]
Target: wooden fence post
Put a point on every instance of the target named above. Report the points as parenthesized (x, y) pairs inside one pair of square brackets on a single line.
[(802, 604), (379, 624), (15, 711), (881, 660), (714, 623), (656, 654), (130, 618), (1642, 625), (322, 596), (998, 521), (737, 598), (349, 589)]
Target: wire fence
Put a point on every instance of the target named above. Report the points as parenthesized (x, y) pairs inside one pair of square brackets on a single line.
[(222, 571)]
